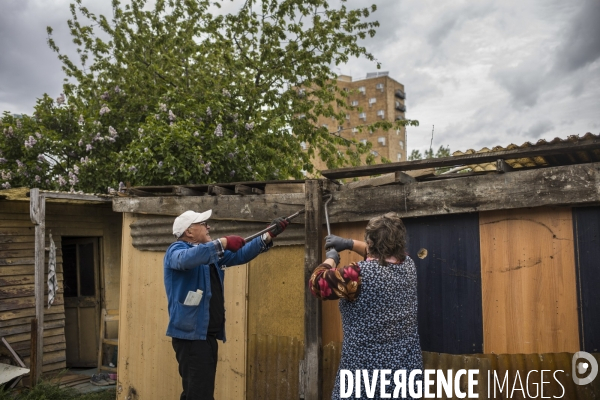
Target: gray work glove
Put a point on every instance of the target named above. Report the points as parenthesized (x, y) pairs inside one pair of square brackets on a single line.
[(332, 253), (338, 243)]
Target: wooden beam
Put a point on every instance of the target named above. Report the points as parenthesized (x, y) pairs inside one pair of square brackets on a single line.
[(239, 208), (77, 196), (277, 188), (476, 158), (313, 256), (387, 179), (555, 186), (219, 190), (247, 190), (183, 191), (502, 166), (37, 213)]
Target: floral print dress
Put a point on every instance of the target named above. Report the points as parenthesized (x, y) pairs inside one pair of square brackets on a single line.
[(379, 317)]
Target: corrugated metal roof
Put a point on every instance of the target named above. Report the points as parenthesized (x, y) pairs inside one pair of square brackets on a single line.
[(22, 194), (547, 161)]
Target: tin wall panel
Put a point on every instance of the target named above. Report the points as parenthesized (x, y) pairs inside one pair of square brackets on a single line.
[(586, 226), (449, 282)]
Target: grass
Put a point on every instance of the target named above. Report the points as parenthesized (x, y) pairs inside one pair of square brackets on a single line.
[(50, 391)]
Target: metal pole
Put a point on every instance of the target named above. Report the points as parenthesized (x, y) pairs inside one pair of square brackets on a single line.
[(271, 227)]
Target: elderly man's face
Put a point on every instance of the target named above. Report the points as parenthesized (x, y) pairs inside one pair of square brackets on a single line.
[(198, 233)]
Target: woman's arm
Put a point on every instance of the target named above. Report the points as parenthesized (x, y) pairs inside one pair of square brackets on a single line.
[(359, 247), (341, 244)]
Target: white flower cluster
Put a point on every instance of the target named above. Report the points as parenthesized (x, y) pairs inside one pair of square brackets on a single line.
[(29, 143), (219, 131), (250, 126), (104, 110), (60, 99)]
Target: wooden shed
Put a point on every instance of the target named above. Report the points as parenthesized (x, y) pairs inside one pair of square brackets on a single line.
[(505, 258), (87, 236)]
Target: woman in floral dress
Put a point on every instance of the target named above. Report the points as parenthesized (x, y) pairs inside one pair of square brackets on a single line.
[(378, 302)]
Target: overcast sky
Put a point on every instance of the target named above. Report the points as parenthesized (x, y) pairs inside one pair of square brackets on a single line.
[(484, 73)]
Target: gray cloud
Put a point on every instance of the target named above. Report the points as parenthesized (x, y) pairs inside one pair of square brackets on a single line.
[(538, 129)]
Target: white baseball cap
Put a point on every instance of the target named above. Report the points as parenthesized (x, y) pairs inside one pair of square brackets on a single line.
[(188, 218)]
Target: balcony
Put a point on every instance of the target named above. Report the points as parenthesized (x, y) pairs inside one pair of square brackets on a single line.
[(400, 107), (400, 94), (399, 118)]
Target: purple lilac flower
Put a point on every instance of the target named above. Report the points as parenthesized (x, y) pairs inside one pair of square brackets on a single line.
[(162, 107), (41, 158), (121, 187), (6, 175), (76, 169), (208, 111), (10, 131), (104, 110), (207, 168), (6, 185), (110, 139), (60, 99), (29, 143), (97, 123), (80, 143), (61, 181), (73, 179), (117, 89), (88, 147), (105, 96), (38, 179), (230, 155), (132, 169), (19, 124), (171, 115), (38, 135), (2, 160), (20, 164), (219, 131), (112, 131), (250, 126)]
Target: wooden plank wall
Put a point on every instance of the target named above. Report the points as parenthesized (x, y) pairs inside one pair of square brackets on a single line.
[(528, 281), (448, 282), (586, 225), (17, 271), (147, 366)]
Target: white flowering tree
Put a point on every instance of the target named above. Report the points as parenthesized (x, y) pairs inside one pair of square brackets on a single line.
[(181, 94)]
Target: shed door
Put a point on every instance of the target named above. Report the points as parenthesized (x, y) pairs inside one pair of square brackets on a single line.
[(82, 300)]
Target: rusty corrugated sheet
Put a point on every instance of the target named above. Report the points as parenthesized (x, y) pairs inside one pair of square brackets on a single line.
[(273, 367), (154, 233), (487, 364), (547, 161)]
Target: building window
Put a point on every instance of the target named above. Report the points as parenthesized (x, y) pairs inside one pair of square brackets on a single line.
[(354, 103), (363, 141), (372, 101), (380, 86), (301, 92), (340, 128), (362, 89), (301, 116), (399, 158), (381, 114), (348, 117), (401, 143), (303, 145), (381, 140), (363, 116), (354, 130), (325, 126), (375, 153)]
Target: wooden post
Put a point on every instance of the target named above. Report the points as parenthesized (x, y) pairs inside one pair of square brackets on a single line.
[(37, 213), (313, 256), (33, 370)]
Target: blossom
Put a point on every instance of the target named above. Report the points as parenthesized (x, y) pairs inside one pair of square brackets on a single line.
[(80, 143), (73, 179), (2, 160), (60, 99), (207, 168), (162, 107), (6, 175), (20, 164), (38, 135), (41, 158), (208, 111), (219, 131), (80, 120), (171, 115), (88, 147), (226, 93), (61, 181), (19, 124), (6, 185), (230, 155), (85, 160), (249, 126), (112, 131), (38, 179), (29, 143), (133, 169), (76, 169), (160, 164), (97, 123), (117, 89), (105, 96), (157, 116), (232, 173), (196, 134), (145, 149), (140, 131), (121, 187), (104, 109)]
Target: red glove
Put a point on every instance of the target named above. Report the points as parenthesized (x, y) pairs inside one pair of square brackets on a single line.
[(234, 243), (280, 225)]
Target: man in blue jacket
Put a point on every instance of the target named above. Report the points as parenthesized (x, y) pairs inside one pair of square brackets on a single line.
[(196, 261)]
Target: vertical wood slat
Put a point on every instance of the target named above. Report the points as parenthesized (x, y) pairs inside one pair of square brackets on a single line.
[(313, 226), (528, 281), (38, 216), (586, 227)]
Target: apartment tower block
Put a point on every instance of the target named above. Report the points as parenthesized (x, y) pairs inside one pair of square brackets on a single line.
[(376, 97)]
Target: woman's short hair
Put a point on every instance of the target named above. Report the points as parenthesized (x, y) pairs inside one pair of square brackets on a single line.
[(386, 237)]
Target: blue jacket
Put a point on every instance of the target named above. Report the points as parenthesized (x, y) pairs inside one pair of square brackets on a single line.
[(186, 268)]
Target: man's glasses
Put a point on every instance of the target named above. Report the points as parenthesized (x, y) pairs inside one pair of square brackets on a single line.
[(203, 223)]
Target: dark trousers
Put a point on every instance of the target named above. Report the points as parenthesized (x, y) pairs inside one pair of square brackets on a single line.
[(197, 366)]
